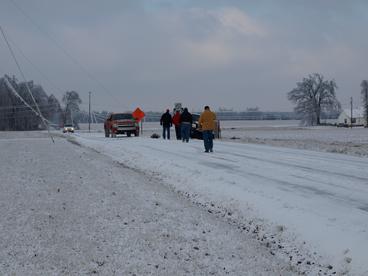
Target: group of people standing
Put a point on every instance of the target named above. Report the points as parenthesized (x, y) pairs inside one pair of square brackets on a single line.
[(183, 123)]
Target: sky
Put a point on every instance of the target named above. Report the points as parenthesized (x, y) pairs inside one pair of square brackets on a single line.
[(152, 54)]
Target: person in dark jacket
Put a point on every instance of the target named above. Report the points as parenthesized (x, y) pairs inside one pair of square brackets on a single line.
[(166, 122), (176, 120), (186, 125)]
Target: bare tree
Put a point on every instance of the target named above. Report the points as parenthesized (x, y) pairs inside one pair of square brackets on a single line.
[(55, 111), (364, 86), (14, 114), (8, 105), (312, 96), (72, 101)]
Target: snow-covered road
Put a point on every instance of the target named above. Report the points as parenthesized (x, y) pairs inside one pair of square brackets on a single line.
[(68, 210), (316, 202)]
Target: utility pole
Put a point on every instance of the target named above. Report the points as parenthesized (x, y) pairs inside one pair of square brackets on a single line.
[(366, 107), (89, 111), (142, 126), (351, 112)]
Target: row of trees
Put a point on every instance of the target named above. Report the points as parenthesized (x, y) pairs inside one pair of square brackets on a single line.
[(15, 115), (314, 95)]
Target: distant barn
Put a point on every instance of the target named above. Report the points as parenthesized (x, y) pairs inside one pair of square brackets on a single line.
[(357, 120)]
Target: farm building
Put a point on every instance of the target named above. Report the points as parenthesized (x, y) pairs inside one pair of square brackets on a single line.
[(357, 120)]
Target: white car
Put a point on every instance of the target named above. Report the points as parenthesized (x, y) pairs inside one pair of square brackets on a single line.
[(68, 128)]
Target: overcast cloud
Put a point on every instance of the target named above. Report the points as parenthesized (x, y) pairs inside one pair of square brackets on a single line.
[(233, 54)]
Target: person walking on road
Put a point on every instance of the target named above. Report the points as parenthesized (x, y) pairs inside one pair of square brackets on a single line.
[(166, 122), (186, 125), (207, 123), (176, 120)]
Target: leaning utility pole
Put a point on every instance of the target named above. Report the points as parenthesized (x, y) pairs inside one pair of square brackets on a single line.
[(89, 112), (364, 91)]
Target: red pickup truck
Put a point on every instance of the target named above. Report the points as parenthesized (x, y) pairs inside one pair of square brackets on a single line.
[(121, 123)]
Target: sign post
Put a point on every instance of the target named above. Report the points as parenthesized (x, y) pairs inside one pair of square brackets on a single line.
[(138, 115)]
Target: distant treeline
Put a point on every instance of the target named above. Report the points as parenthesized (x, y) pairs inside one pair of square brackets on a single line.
[(248, 115), (15, 115), (99, 117)]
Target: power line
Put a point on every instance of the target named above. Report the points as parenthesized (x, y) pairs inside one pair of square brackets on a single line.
[(24, 106), (10, 86), (34, 65), (15, 116), (20, 70), (99, 116), (66, 53), (15, 111), (26, 83)]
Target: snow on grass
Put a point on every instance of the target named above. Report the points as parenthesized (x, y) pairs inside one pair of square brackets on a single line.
[(319, 138), (313, 204)]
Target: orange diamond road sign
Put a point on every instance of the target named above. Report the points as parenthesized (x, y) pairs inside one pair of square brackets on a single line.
[(138, 114)]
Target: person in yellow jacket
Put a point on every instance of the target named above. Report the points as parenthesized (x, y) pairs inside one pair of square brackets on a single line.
[(207, 123)]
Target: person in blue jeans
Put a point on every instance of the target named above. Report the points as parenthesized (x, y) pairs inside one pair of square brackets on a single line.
[(186, 125), (208, 140), (207, 122), (166, 122)]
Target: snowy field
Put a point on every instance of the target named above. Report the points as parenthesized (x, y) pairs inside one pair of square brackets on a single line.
[(288, 134), (314, 204), (246, 209)]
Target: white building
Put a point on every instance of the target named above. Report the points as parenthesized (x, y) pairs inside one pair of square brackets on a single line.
[(357, 120)]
